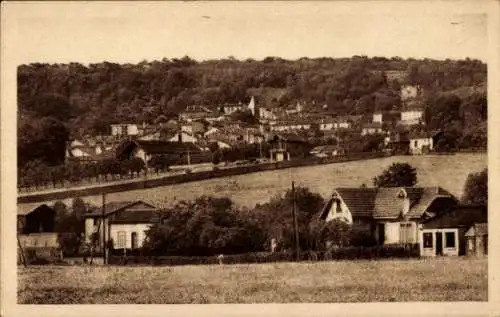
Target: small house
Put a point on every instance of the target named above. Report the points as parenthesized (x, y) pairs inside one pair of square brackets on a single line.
[(477, 240), (125, 223), (445, 234)]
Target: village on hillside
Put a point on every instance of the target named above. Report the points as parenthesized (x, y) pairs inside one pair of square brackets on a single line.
[(345, 162)]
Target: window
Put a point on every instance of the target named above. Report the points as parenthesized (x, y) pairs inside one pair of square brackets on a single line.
[(416, 143), (405, 233), (449, 239), (121, 243), (428, 240), (338, 207)]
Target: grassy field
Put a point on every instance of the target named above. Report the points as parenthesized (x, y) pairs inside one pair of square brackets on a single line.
[(440, 279), (446, 171)]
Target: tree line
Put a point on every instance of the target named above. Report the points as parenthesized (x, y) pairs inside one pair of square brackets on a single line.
[(37, 174)]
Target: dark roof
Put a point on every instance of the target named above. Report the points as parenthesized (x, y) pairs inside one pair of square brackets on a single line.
[(478, 229), (287, 137), (114, 206), (159, 147), (25, 209), (386, 203), (460, 216)]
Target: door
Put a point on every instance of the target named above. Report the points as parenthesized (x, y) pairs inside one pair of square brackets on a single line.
[(134, 240), (439, 243), (381, 233)]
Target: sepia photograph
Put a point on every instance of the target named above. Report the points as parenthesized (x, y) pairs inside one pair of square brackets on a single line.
[(249, 153)]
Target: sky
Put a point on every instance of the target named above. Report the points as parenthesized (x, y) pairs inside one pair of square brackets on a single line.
[(130, 32)]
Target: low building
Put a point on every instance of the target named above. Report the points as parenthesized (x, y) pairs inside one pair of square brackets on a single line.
[(125, 223), (477, 240), (174, 153), (445, 233)]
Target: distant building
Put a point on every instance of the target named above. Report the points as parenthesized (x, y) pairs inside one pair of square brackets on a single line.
[(371, 128), (334, 123), (197, 112), (410, 92), (412, 116), (124, 129), (421, 143), (232, 108)]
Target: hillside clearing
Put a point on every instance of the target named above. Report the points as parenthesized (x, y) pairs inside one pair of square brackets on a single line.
[(447, 171), (439, 279)]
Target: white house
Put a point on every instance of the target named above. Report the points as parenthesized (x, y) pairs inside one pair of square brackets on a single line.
[(421, 143), (412, 116), (125, 223)]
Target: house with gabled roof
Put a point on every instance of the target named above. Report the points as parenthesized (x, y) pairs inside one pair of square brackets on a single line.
[(391, 215), (124, 222)]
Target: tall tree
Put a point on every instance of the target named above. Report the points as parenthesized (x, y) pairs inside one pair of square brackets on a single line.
[(398, 174), (476, 188)]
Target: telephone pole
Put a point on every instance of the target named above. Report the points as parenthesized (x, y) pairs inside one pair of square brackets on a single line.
[(104, 244), (295, 225)]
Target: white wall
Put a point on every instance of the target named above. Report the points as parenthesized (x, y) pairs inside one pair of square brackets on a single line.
[(416, 145), (391, 232), (377, 117), (140, 229)]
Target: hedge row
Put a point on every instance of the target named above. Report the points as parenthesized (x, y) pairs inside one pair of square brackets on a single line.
[(350, 253), (196, 176)]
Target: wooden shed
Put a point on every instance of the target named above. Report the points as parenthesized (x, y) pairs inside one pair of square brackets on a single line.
[(477, 240)]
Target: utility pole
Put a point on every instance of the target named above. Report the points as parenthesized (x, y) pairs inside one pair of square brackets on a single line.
[(21, 250), (104, 244), (295, 226)]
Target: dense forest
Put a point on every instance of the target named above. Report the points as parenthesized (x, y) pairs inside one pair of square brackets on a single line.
[(60, 101)]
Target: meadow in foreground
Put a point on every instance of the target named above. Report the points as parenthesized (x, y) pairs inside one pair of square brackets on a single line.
[(441, 279)]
